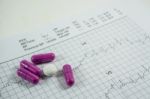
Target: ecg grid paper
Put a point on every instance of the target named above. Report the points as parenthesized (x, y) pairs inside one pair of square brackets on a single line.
[(113, 62)]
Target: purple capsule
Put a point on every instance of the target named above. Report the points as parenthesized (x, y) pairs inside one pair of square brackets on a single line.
[(68, 74), (31, 67), (43, 58), (27, 75)]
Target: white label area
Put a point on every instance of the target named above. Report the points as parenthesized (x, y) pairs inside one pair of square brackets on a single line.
[(109, 52)]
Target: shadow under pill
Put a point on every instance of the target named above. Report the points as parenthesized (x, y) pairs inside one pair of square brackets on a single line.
[(61, 80), (13, 80), (62, 83)]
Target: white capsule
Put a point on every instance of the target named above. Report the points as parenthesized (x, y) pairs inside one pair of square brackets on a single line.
[(50, 70)]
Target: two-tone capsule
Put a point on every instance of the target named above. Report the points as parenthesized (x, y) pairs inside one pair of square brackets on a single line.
[(31, 67), (27, 75), (43, 58), (68, 74)]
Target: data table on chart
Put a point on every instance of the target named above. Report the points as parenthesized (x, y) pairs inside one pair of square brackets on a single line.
[(109, 52)]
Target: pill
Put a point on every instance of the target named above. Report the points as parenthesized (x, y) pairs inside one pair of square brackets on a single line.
[(43, 58), (49, 70), (31, 67), (27, 75), (68, 74)]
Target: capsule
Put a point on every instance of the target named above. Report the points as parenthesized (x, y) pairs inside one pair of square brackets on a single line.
[(43, 58), (31, 67), (68, 74), (27, 75)]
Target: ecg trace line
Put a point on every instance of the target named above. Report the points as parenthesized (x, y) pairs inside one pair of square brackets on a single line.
[(121, 84), (91, 54)]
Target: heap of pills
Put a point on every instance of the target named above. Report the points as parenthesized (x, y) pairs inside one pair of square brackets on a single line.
[(32, 73)]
